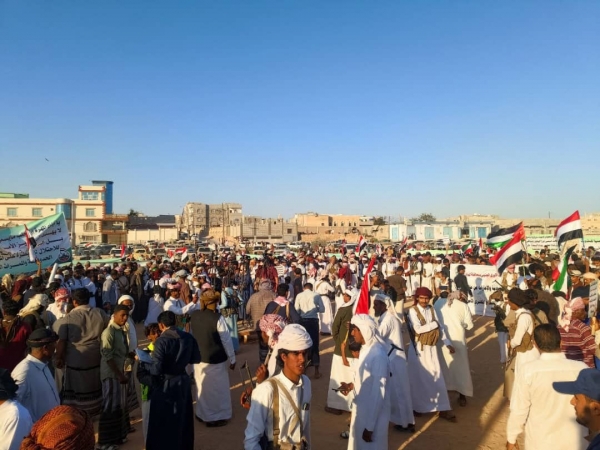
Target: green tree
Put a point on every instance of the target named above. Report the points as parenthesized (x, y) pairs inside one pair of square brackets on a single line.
[(134, 213), (424, 217), (379, 221)]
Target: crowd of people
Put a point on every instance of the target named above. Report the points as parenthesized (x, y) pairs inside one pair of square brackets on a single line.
[(70, 353)]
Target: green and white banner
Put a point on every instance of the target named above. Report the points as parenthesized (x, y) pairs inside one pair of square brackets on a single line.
[(51, 244)]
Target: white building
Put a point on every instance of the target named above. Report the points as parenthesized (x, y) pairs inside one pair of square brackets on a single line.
[(89, 216)]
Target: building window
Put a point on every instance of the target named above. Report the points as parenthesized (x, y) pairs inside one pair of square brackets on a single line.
[(90, 212), (89, 227), (36, 212), (289, 231), (89, 196), (11, 212), (342, 224)]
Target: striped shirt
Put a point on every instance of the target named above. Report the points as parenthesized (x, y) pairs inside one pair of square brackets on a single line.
[(578, 343)]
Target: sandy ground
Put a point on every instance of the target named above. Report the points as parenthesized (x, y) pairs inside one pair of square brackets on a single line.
[(481, 424)]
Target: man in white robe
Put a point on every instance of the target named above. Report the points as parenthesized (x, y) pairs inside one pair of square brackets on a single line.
[(428, 387), (371, 408), (455, 318), (390, 329), (324, 289), (213, 401)]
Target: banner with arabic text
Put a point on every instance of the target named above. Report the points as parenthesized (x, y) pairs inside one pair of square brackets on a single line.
[(52, 244)]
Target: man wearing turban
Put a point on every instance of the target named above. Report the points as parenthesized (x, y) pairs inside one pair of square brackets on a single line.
[(213, 402), (428, 387), (284, 397), (372, 402), (390, 328)]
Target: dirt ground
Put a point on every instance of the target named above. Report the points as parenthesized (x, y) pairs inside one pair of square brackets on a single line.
[(481, 424)]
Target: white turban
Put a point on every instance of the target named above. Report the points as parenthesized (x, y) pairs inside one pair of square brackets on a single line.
[(367, 327), (34, 303), (295, 338), (353, 293), (388, 303)]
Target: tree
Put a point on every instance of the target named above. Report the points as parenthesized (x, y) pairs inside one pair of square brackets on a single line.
[(379, 221), (424, 217), (134, 213)]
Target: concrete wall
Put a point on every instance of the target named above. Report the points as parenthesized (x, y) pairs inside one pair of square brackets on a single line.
[(160, 235)]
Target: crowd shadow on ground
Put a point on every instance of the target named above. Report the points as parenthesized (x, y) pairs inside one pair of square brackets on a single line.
[(480, 425)]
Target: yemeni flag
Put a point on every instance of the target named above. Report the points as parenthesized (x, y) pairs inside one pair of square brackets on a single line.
[(569, 229), (362, 243), (559, 275), (122, 251), (30, 241), (500, 238), (511, 253), (362, 305)]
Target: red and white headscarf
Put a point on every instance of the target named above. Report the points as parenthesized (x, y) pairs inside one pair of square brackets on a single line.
[(61, 296), (272, 325)]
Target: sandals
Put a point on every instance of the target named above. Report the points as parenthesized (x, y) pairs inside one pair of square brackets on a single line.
[(345, 435), (408, 429), (448, 415)]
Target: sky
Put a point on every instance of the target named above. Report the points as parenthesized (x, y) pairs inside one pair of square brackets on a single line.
[(390, 108)]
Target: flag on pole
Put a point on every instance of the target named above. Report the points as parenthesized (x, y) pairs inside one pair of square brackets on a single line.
[(569, 229), (511, 253), (559, 275), (466, 249), (184, 255), (362, 305), (30, 241), (122, 251), (362, 243), (500, 238)]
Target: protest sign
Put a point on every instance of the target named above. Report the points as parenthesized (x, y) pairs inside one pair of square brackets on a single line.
[(593, 306), (52, 245), (483, 281)]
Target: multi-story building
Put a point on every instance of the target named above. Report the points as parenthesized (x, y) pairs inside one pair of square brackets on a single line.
[(89, 217), (314, 223), (199, 218), (265, 229)]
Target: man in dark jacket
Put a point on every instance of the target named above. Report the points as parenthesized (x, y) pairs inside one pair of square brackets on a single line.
[(171, 423), (460, 281)]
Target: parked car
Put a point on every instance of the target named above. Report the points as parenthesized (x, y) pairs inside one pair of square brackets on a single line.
[(204, 251)]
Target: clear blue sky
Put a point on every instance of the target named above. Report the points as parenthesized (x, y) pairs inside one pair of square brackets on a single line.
[(386, 107)]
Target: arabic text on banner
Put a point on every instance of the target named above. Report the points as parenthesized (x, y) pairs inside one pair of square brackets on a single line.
[(483, 281), (53, 244)]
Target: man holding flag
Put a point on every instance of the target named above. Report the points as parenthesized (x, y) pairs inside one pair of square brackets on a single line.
[(568, 235)]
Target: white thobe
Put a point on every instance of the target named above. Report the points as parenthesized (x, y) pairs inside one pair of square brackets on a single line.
[(325, 318), (455, 320), (524, 324), (37, 388), (213, 401), (56, 311), (388, 269), (156, 305), (260, 416), (401, 401), (546, 416), (371, 408), (15, 424), (178, 306), (427, 384)]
